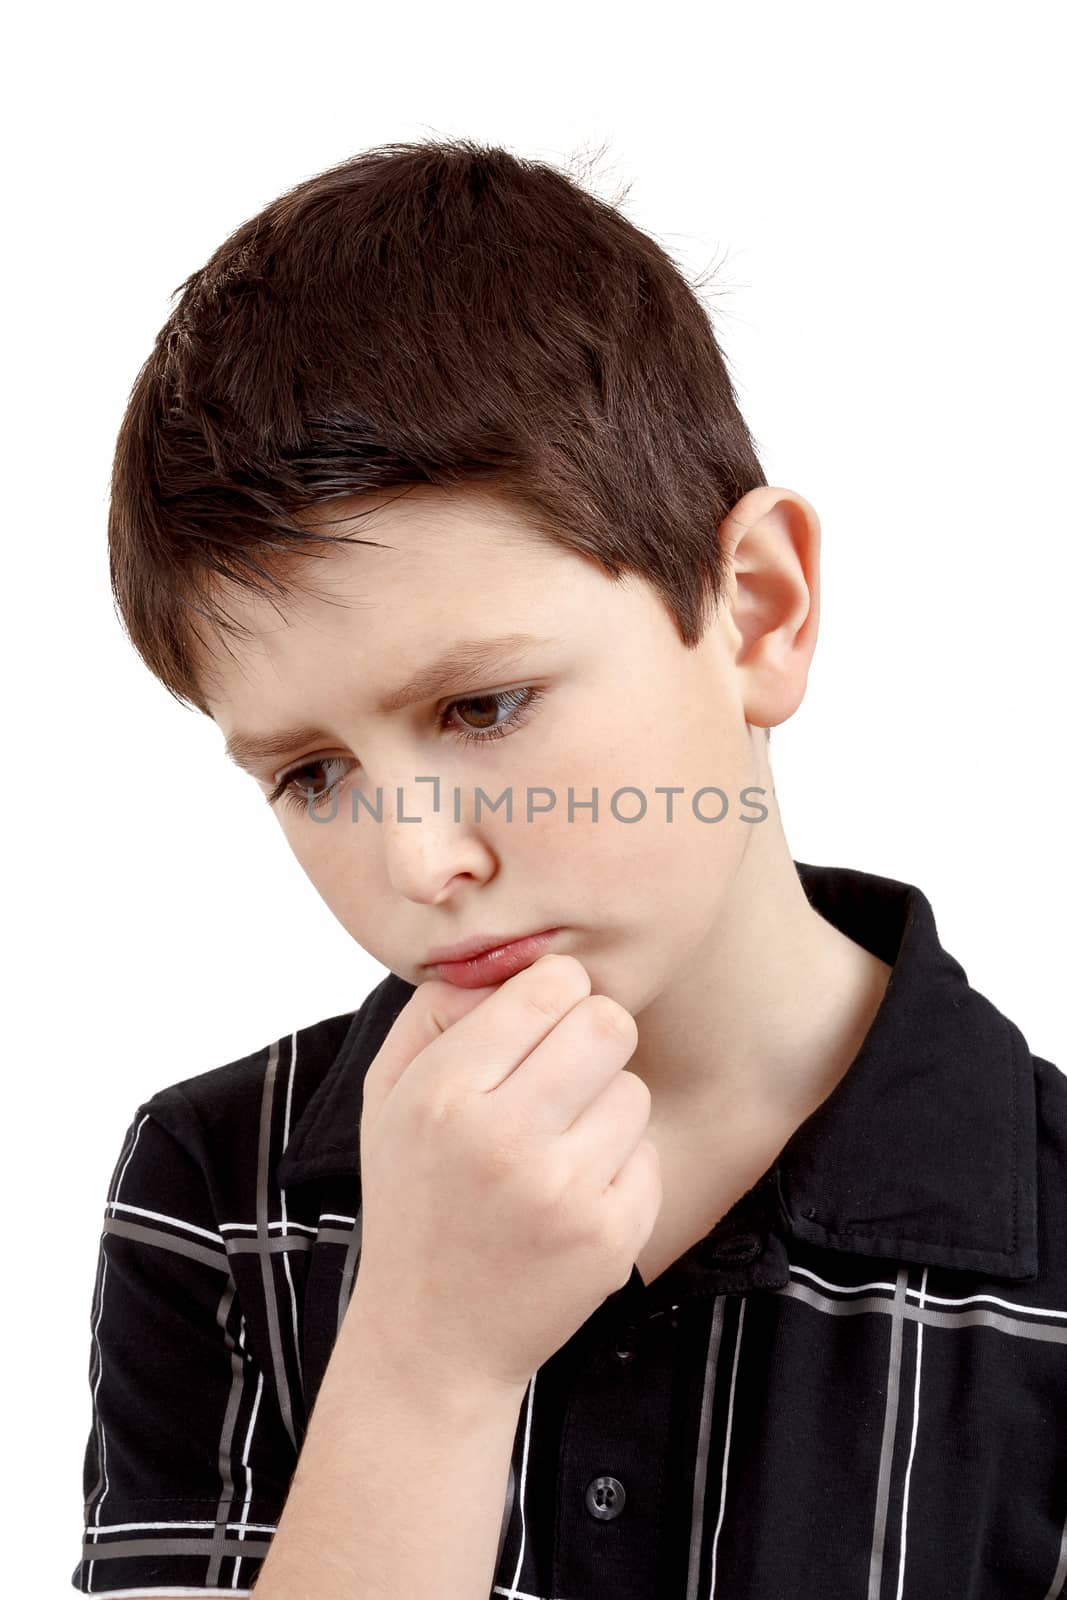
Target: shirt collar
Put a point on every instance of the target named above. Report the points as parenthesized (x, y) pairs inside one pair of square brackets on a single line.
[(924, 1151)]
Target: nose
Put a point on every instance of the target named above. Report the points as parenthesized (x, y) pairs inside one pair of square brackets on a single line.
[(425, 849)]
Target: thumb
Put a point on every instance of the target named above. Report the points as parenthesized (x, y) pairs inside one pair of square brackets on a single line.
[(429, 1013)]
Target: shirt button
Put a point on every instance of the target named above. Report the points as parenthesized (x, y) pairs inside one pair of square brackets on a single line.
[(624, 1351), (605, 1498)]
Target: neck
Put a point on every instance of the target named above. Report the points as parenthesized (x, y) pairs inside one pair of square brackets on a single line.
[(766, 1018)]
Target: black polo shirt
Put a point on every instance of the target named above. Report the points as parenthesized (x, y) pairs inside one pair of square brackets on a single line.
[(854, 1386)]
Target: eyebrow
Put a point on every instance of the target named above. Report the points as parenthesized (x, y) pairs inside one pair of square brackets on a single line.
[(459, 661)]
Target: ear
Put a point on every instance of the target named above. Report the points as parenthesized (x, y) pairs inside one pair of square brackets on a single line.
[(771, 539)]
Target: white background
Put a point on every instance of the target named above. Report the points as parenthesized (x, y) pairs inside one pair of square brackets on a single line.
[(880, 189)]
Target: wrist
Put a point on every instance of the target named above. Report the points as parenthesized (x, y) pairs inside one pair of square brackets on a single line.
[(412, 1367)]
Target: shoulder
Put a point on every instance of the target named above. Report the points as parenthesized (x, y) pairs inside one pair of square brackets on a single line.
[(218, 1090), (235, 1119)]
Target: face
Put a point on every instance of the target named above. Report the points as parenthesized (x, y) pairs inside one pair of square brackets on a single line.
[(605, 698)]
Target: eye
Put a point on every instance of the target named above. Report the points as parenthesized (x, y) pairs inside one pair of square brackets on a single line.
[(294, 788), (517, 701)]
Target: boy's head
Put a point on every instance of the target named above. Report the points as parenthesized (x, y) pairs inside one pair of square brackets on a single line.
[(436, 394)]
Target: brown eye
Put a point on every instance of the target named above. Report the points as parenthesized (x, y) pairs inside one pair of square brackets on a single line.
[(297, 788), (517, 701), (485, 709)]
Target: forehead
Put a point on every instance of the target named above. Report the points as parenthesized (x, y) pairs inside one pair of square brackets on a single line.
[(436, 567), (388, 544)]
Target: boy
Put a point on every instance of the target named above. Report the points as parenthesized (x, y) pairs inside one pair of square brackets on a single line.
[(705, 1238)]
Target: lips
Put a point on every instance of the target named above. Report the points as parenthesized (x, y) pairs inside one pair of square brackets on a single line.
[(474, 947), (495, 964)]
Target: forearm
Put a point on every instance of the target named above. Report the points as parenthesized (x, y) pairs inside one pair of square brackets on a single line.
[(400, 1486)]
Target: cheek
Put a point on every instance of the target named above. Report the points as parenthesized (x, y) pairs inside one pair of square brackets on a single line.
[(648, 860), (343, 869)]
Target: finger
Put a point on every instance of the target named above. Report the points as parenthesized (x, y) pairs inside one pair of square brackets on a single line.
[(434, 1008), (482, 1049)]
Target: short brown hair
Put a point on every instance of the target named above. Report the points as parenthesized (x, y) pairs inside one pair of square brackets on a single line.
[(441, 313)]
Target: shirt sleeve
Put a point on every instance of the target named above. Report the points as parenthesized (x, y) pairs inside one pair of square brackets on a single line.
[(187, 1464)]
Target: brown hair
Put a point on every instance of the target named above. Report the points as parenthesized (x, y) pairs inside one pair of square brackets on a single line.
[(440, 313)]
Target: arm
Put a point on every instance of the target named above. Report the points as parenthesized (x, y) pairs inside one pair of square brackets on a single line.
[(185, 1473), (400, 1485)]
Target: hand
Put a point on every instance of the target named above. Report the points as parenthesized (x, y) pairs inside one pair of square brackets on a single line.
[(507, 1185)]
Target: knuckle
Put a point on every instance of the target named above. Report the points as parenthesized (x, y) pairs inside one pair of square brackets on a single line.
[(550, 998), (608, 1019), (438, 1114), (558, 981)]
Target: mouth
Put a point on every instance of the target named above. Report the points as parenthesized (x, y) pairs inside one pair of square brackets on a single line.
[(478, 963)]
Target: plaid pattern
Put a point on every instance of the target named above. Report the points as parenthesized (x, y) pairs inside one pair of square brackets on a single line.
[(854, 1385)]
